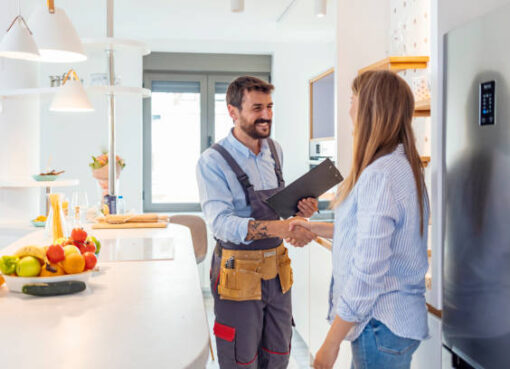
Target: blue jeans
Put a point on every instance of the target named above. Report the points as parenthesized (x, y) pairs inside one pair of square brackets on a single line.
[(378, 348)]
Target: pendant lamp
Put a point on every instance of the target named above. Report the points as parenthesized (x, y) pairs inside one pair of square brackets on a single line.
[(320, 8), (18, 42), (237, 6), (71, 96), (55, 35)]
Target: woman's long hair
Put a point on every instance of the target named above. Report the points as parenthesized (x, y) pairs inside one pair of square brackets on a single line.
[(383, 120)]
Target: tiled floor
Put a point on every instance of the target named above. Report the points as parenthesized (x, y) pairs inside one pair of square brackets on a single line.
[(299, 358)]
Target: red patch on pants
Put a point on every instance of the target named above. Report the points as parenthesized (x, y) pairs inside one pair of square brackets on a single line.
[(224, 332)]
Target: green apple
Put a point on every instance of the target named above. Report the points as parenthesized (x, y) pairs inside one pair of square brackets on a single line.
[(28, 266), (71, 249)]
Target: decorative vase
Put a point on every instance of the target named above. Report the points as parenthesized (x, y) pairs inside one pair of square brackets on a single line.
[(101, 175)]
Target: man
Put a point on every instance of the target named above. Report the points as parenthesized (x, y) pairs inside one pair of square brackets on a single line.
[(251, 275)]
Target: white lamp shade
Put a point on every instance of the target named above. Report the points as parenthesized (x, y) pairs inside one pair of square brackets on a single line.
[(320, 8), (56, 37), (71, 97), (237, 5), (18, 43)]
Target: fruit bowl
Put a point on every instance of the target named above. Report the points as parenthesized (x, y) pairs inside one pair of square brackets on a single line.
[(38, 224), (15, 284), (43, 178)]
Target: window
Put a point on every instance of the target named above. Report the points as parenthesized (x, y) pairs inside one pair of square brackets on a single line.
[(186, 114)]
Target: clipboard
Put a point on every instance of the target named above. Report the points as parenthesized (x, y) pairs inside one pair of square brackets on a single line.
[(312, 184)]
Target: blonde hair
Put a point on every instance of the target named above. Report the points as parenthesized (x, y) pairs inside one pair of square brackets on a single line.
[(383, 120)]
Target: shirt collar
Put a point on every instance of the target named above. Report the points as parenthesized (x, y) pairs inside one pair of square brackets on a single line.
[(242, 149)]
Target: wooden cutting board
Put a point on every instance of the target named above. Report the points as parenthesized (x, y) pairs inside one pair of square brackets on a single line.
[(129, 225)]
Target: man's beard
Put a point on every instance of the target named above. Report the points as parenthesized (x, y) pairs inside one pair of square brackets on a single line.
[(251, 129)]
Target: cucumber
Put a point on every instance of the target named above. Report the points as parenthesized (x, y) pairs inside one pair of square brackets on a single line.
[(53, 288)]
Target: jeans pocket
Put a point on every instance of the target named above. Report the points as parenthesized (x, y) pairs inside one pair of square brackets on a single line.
[(390, 343)]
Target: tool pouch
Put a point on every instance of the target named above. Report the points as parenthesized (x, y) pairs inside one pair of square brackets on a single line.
[(242, 283), (285, 271)]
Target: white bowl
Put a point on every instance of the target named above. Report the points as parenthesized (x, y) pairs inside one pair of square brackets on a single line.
[(15, 284)]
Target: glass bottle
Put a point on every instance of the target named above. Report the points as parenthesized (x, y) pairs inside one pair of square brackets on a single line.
[(56, 225)]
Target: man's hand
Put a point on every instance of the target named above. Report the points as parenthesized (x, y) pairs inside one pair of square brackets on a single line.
[(299, 234), (261, 229), (307, 207)]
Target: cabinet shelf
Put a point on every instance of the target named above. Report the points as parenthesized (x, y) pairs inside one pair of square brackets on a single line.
[(115, 90), (425, 160), (422, 108), (398, 63)]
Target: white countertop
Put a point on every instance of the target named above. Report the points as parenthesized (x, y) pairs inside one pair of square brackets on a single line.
[(134, 314)]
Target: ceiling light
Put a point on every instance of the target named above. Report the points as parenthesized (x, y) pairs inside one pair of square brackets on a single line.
[(55, 35), (237, 6), (320, 8), (18, 42), (71, 96)]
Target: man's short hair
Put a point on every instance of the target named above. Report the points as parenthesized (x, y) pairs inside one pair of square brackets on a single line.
[(235, 91)]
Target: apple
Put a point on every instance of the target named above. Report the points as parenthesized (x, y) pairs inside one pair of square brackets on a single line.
[(28, 266), (90, 260), (71, 249), (80, 246)]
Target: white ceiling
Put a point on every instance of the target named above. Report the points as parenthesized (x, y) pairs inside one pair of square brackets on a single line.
[(157, 21)]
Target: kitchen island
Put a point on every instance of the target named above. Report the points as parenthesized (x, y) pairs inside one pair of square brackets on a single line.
[(142, 309)]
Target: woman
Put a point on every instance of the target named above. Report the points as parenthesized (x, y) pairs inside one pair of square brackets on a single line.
[(380, 234)]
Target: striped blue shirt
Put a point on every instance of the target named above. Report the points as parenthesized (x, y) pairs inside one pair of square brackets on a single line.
[(222, 196), (379, 256)]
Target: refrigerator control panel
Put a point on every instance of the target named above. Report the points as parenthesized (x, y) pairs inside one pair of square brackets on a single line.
[(487, 103)]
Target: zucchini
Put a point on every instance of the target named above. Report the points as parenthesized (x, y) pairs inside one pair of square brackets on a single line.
[(53, 288)]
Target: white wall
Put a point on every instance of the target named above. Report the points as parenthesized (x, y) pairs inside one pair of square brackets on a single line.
[(362, 38), (293, 67), (72, 138), (19, 131)]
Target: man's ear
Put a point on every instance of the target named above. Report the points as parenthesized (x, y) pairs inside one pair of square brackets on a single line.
[(233, 112)]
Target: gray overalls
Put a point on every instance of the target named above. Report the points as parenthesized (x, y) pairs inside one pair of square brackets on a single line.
[(254, 333)]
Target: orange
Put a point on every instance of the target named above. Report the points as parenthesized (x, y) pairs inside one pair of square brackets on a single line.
[(47, 273), (2, 280), (74, 263)]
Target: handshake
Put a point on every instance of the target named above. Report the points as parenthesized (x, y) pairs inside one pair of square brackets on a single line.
[(297, 231)]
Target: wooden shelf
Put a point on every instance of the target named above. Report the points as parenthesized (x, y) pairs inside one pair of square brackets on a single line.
[(324, 243), (398, 63), (425, 160), (422, 108)]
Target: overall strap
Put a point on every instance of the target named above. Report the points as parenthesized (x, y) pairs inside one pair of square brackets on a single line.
[(242, 177), (277, 165)]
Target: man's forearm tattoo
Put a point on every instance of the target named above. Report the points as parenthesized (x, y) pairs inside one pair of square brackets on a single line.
[(257, 230)]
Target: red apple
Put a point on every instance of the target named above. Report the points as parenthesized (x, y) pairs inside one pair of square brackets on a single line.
[(90, 260), (80, 246)]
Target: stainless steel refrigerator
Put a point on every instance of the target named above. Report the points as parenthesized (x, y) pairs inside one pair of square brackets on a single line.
[(476, 269)]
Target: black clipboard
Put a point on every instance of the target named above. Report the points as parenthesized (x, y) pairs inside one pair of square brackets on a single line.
[(312, 184)]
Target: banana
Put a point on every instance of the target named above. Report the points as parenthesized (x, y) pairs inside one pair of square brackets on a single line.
[(34, 251)]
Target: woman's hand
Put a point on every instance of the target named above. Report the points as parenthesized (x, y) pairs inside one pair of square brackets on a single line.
[(295, 225), (326, 356), (307, 207)]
